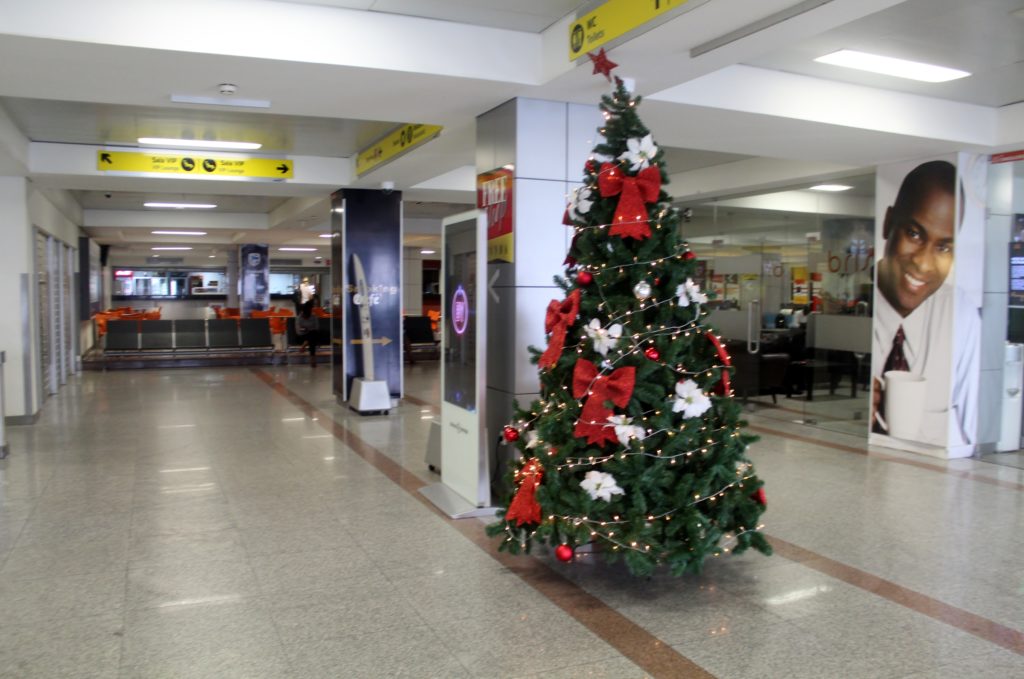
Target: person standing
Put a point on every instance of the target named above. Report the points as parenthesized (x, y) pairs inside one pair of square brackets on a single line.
[(307, 328)]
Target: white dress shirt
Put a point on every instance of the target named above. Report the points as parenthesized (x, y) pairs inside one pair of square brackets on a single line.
[(930, 334)]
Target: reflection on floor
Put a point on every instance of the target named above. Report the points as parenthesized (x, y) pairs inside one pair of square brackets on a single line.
[(837, 412), (1010, 459), (236, 522)]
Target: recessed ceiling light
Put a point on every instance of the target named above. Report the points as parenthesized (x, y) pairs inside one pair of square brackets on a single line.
[(296, 249), (831, 187), (178, 233), (427, 252), (182, 206), (171, 248), (327, 235), (200, 144), (900, 68), (212, 256)]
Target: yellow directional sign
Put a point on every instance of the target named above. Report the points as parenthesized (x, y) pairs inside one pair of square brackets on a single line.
[(403, 139), (612, 19), (194, 164), (383, 341)]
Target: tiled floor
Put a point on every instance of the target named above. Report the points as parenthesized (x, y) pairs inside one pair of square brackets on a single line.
[(236, 523)]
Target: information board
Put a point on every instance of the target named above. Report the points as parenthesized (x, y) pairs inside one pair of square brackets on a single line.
[(1017, 274)]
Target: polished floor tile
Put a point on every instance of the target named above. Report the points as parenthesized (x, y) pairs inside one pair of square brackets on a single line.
[(197, 523)]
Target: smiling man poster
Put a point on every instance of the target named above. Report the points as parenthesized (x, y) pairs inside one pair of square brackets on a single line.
[(924, 360)]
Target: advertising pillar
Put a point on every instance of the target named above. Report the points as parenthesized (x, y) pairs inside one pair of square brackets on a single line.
[(366, 285), (926, 344), (255, 261)]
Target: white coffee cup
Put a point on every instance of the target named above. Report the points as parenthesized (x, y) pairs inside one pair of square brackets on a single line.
[(905, 395)]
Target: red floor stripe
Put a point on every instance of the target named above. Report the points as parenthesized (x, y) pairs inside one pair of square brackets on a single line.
[(558, 589), (920, 464), (634, 642), (971, 623)]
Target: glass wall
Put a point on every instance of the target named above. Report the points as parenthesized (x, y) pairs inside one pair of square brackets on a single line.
[(790, 290), (137, 285)]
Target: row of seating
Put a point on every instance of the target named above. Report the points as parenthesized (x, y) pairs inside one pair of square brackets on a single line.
[(137, 335)]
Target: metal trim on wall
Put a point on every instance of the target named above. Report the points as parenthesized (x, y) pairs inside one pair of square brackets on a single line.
[(26, 343)]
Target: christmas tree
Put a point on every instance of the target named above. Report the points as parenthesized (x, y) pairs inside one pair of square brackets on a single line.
[(635, 444)]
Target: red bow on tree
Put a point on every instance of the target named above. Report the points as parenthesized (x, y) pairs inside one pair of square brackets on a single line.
[(723, 355), (560, 316), (617, 388), (630, 220), (524, 507)]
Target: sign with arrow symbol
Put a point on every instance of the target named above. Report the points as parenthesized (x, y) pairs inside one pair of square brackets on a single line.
[(238, 167), (383, 341)]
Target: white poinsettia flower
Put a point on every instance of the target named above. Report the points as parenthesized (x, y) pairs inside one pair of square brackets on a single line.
[(690, 399), (604, 338), (690, 292), (532, 439), (625, 430), (581, 203), (600, 486), (640, 153)]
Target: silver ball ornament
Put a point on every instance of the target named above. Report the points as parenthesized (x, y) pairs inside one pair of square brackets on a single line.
[(642, 290)]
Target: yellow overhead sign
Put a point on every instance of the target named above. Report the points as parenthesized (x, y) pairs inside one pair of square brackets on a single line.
[(396, 143), (612, 19), (194, 164)]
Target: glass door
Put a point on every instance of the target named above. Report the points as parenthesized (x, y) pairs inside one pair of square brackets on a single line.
[(790, 294)]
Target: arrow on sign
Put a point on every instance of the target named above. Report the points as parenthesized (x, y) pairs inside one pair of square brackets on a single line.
[(383, 341), (105, 158), (282, 168), (490, 286)]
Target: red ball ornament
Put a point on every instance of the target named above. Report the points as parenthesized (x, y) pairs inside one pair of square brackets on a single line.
[(759, 497), (689, 254), (511, 434), (652, 353), (563, 553), (584, 278)]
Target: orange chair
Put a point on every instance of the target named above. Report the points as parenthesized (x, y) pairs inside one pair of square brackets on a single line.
[(435, 317)]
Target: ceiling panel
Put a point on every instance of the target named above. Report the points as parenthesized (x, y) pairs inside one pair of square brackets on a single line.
[(523, 15), (983, 37), (130, 200), (73, 122)]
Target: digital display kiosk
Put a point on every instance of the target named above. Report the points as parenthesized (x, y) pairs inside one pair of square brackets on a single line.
[(465, 488)]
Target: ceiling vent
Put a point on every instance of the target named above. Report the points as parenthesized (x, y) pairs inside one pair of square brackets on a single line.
[(286, 262), (165, 260)]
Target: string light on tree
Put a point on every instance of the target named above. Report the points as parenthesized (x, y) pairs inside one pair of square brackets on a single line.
[(635, 443)]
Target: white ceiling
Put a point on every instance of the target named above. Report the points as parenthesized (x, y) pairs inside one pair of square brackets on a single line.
[(340, 73), (983, 37), (532, 16)]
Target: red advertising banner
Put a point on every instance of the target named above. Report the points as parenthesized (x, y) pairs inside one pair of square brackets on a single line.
[(1008, 157), (494, 195)]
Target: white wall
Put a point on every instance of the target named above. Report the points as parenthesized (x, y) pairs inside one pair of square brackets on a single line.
[(21, 388)]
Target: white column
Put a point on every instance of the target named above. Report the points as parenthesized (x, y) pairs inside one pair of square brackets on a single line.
[(547, 143), (17, 295)]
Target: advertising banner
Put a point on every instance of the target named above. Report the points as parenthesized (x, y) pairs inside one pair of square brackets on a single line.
[(373, 233), (494, 197), (927, 299), (255, 265)]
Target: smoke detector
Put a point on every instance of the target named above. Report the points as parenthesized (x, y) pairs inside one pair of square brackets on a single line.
[(227, 89)]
